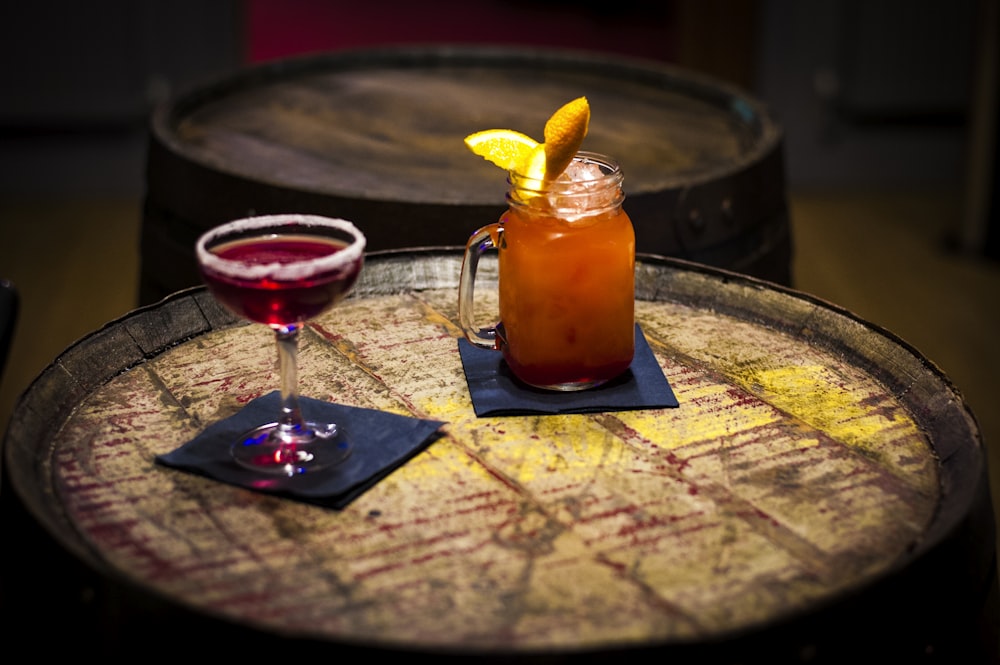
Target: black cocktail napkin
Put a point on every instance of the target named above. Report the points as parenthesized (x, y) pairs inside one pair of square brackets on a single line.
[(496, 391), (382, 442)]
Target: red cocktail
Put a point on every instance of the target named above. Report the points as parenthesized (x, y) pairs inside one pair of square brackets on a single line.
[(265, 299), (282, 270)]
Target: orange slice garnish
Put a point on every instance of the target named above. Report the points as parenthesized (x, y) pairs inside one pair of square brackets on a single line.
[(504, 147), (514, 151), (564, 133)]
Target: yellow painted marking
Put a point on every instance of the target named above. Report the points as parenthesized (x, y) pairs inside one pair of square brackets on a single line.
[(810, 392), (708, 412)]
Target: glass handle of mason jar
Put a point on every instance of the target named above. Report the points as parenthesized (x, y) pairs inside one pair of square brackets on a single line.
[(479, 243)]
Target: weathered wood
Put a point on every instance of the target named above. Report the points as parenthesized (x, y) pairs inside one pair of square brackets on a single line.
[(801, 476), (375, 136)]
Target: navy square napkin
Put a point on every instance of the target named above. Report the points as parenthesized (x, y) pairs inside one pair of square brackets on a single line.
[(495, 390), (382, 442)]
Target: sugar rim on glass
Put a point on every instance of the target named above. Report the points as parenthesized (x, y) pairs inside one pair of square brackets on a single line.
[(280, 271)]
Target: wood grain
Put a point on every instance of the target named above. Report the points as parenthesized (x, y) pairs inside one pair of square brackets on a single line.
[(793, 473)]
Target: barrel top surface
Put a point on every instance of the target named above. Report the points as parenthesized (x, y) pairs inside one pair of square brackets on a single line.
[(808, 456), (388, 124)]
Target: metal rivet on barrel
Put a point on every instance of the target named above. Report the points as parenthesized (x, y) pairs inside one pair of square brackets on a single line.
[(726, 208), (696, 220)]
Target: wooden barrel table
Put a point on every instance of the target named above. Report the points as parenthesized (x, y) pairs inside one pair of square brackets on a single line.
[(375, 136), (820, 491)]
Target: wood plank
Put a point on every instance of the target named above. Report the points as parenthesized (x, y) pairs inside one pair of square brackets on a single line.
[(789, 476)]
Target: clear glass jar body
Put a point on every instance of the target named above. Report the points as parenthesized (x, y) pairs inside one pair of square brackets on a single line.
[(566, 279)]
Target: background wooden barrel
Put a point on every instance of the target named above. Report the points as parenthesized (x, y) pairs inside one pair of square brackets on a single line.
[(820, 492), (375, 136)]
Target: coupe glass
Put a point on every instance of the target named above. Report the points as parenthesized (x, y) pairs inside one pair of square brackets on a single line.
[(282, 270)]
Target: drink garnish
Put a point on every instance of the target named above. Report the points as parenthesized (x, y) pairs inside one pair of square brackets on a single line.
[(564, 133), (513, 151), (504, 147)]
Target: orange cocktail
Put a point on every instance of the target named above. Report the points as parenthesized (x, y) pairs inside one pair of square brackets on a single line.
[(567, 285), (566, 258)]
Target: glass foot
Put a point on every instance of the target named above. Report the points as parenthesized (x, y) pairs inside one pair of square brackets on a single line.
[(269, 450)]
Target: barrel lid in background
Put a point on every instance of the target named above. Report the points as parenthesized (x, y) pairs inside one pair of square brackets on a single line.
[(375, 136)]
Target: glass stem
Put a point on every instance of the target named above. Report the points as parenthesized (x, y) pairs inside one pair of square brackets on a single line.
[(291, 423)]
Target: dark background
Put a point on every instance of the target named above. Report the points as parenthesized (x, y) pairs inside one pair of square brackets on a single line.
[(889, 109), (869, 92)]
